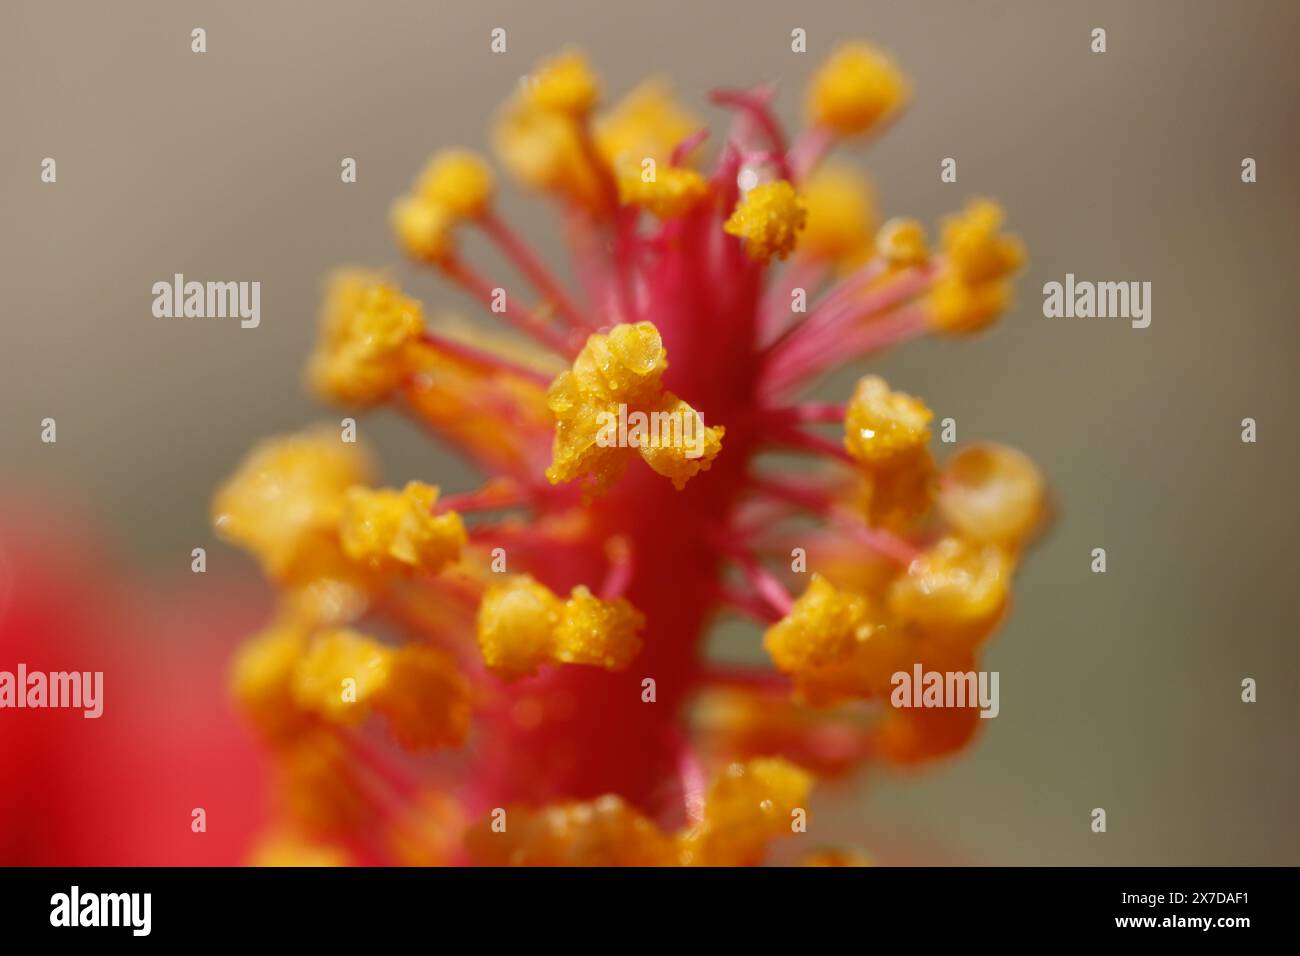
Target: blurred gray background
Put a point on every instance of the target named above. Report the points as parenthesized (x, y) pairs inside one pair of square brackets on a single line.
[(1118, 690)]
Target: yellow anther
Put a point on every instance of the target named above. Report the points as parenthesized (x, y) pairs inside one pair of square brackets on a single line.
[(841, 216), (622, 365), (833, 644), (459, 181), (768, 218), (823, 627), (522, 624), (598, 633), (546, 152), (902, 243), (261, 679), (419, 691), (367, 327), (992, 494), (612, 402), (601, 832), (563, 84), (748, 805), (516, 626), (646, 122), (955, 305), (423, 228), (392, 530), (340, 675), (900, 490), (679, 445), (855, 90), (672, 192), (975, 249), (972, 292), (880, 425), (284, 500), (425, 699), (953, 585)]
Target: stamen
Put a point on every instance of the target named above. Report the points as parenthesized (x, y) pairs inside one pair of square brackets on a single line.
[(775, 317), (691, 777), (522, 255), (749, 605), (483, 358), (496, 493), (809, 149), (849, 302), (756, 108), (520, 317), (763, 581), (810, 412), (688, 145), (793, 438), (828, 352), (748, 678), (821, 501), (619, 574)]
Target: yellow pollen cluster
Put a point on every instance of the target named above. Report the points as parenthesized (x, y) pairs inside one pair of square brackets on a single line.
[(344, 676), (602, 832), (973, 290), (833, 644), (363, 350), (336, 657), (880, 424), (422, 228), (954, 586), (523, 624), (841, 216), (768, 218), (563, 84), (992, 494), (901, 243), (888, 433), (458, 181), (616, 377), (455, 186), (823, 626), (542, 137), (261, 679), (284, 501), (855, 90), (670, 193), (397, 531), (747, 806), (647, 122)]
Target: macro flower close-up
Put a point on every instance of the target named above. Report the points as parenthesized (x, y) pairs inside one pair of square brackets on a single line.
[(517, 673), (534, 462)]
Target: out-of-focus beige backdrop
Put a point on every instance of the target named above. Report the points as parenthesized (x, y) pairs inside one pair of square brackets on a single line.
[(1118, 691)]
